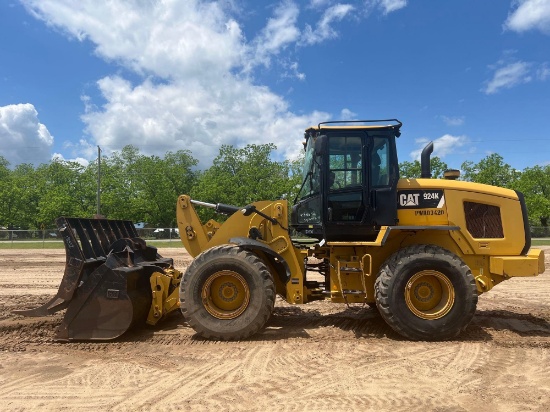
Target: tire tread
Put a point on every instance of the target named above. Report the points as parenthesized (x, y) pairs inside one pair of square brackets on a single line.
[(387, 276), (188, 309)]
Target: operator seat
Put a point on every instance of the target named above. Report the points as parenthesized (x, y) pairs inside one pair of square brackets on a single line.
[(375, 169)]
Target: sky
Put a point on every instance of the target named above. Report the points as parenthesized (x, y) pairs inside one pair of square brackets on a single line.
[(165, 75)]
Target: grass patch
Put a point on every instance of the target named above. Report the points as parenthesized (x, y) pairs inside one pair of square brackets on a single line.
[(165, 243), (31, 245)]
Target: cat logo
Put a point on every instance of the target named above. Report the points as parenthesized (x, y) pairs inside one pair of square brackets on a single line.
[(420, 199), (410, 199)]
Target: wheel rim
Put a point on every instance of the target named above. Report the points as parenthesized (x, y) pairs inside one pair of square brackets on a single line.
[(225, 295), (429, 294)]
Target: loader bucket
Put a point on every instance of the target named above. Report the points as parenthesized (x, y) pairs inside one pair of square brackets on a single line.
[(106, 284)]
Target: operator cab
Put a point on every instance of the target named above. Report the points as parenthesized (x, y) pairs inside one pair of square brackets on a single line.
[(349, 185)]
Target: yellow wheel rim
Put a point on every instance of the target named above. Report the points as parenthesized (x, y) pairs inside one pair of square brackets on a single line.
[(429, 294), (225, 295)]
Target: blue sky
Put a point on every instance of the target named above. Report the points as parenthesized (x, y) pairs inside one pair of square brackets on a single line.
[(471, 75)]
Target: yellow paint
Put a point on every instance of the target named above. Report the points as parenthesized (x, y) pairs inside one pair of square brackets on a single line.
[(353, 266), (163, 301), (511, 266)]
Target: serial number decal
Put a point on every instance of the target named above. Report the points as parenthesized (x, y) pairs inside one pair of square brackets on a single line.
[(429, 212), (420, 199)]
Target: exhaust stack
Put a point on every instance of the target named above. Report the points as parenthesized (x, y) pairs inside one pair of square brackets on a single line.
[(425, 161)]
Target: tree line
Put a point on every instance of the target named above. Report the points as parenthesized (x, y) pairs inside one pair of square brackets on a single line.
[(140, 188), (145, 188)]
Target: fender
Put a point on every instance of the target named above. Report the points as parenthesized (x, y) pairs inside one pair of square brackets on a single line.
[(278, 262)]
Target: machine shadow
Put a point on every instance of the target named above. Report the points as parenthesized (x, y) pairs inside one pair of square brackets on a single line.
[(524, 325), (288, 322)]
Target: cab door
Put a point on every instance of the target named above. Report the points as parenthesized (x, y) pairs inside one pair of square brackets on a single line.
[(383, 176), (346, 199), (360, 185)]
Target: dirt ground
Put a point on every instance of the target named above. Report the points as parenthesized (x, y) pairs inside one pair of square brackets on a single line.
[(315, 357)]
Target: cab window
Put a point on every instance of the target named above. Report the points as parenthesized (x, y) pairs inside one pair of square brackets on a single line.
[(345, 162), (380, 160)]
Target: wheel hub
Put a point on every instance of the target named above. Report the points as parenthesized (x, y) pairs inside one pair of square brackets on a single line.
[(429, 294), (423, 291), (228, 292), (225, 294)]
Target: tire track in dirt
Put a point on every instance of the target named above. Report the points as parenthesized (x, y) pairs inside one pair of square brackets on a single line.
[(78, 388), (49, 382), (200, 382), (362, 364), (519, 371)]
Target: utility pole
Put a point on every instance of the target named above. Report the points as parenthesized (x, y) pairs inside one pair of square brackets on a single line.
[(98, 181)]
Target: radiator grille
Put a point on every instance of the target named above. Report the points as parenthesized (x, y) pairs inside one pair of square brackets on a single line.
[(483, 221)]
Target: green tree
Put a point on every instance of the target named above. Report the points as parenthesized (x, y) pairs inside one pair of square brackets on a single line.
[(158, 183), (4, 168), (5, 191), (18, 196), (118, 198), (241, 176), (534, 183), (145, 188), (64, 191), (26, 192), (413, 170), (295, 177), (491, 170)]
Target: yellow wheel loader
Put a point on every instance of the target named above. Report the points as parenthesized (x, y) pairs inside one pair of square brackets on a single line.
[(421, 251)]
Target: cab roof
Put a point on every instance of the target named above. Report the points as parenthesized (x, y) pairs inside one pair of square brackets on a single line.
[(393, 124)]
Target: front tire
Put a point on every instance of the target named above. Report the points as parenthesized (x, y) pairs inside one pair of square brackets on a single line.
[(227, 293), (425, 292)]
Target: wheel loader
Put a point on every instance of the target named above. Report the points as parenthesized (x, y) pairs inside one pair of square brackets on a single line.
[(420, 251)]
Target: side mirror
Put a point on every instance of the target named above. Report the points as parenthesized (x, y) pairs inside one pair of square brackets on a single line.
[(320, 145)]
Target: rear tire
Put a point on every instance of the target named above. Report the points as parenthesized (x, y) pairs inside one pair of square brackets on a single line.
[(227, 293), (425, 292)]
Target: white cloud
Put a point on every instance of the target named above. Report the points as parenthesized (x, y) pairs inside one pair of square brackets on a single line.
[(23, 138), (169, 39), (174, 116), (387, 6), (200, 53), (324, 29), (347, 114), (197, 89), (453, 121), (543, 72), (509, 76), (83, 147), (279, 32), (529, 15), (392, 5), (291, 71), (444, 145), (80, 160), (318, 3)]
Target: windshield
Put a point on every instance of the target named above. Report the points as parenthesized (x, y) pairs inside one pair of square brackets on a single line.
[(310, 173)]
